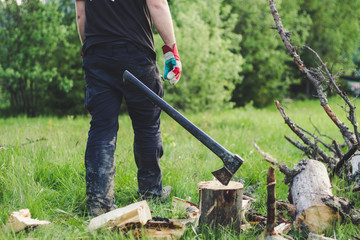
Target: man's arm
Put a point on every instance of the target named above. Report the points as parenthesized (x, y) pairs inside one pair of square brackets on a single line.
[(80, 18), (161, 17)]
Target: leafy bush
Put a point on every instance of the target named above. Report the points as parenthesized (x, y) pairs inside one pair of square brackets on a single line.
[(208, 51)]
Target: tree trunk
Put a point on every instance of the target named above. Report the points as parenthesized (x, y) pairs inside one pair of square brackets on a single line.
[(307, 190), (220, 204)]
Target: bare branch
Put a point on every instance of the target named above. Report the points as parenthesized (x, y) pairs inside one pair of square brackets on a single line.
[(300, 146), (282, 167), (312, 76), (303, 137), (351, 117), (316, 138), (346, 157), (337, 149)]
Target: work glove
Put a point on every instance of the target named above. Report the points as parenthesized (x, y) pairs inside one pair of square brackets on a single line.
[(172, 64)]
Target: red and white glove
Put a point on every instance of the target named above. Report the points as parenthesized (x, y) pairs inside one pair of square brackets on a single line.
[(172, 69)]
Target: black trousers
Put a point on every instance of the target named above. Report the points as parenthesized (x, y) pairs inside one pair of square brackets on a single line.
[(104, 65)]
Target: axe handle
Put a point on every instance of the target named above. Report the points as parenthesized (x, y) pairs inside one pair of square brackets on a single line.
[(215, 147)]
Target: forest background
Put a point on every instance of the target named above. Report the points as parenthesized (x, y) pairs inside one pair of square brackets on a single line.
[(231, 57)]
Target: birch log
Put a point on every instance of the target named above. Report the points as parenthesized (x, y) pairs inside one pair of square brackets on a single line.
[(355, 163), (220, 204), (306, 190)]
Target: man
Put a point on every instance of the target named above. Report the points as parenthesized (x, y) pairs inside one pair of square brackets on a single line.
[(117, 36)]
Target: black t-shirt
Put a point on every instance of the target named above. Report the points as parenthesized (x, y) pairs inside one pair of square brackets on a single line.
[(118, 20)]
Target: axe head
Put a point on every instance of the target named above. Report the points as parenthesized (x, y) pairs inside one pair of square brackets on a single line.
[(225, 174)]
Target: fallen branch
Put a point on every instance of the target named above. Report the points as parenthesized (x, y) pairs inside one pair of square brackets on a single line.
[(300, 146), (345, 157), (283, 168), (324, 157), (344, 207)]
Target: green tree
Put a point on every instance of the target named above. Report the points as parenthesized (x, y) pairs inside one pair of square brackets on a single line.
[(330, 27), (30, 36), (209, 54), (267, 71)]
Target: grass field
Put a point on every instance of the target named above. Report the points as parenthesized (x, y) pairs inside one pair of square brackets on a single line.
[(42, 167)]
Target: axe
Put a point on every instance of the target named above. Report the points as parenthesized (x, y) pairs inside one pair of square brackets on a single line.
[(232, 162)]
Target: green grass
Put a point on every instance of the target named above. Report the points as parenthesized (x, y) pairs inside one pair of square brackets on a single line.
[(47, 176)]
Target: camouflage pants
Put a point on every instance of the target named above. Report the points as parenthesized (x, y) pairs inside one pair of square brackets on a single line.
[(104, 65)]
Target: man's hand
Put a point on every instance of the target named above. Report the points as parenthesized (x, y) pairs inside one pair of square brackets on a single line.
[(172, 64)]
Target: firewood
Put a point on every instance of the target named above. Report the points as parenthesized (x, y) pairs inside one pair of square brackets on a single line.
[(289, 208), (313, 236), (220, 204), (167, 229), (134, 213), (191, 210), (283, 228), (21, 220), (307, 190)]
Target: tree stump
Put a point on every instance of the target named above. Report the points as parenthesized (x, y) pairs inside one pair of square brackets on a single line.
[(307, 190), (220, 204)]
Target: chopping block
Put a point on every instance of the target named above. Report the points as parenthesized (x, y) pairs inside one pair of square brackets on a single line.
[(220, 204)]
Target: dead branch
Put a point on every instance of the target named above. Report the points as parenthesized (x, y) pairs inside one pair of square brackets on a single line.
[(324, 157), (29, 141), (313, 76), (317, 139), (337, 149), (351, 117), (346, 157), (300, 146), (344, 207), (282, 167), (289, 208)]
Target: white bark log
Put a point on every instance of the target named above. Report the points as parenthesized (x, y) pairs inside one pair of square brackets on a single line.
[(355, 163), (307, 189), (134, 213)]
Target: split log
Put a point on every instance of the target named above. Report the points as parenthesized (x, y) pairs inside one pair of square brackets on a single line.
[(191, 210), (21, 220), (313, 236), (220, 204), (307, 190), (245, 206), (283, 228), (134, 213), (167, 229)]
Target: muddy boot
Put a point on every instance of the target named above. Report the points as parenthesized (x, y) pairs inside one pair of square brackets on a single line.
[(95, 210), (163, 197)]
